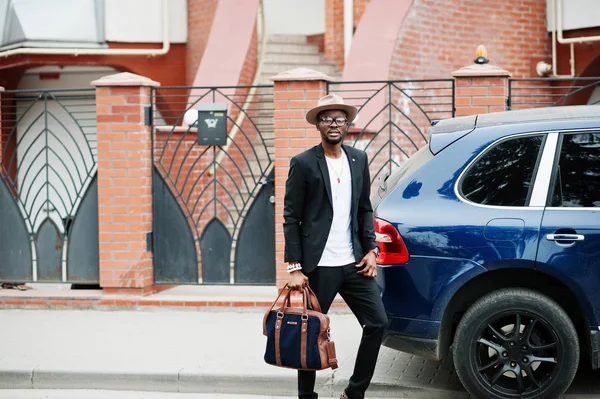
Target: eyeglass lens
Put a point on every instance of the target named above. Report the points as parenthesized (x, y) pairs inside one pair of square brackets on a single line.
[(328, 120)]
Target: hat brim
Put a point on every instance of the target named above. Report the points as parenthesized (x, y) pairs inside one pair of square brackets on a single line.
[(351, 112)]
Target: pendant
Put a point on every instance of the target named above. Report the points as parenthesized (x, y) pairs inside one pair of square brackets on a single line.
[(338, 180)]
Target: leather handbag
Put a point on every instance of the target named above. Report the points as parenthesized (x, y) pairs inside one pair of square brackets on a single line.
[(298, 337)]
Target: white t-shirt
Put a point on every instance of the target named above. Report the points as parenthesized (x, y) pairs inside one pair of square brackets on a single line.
[(339, 249)]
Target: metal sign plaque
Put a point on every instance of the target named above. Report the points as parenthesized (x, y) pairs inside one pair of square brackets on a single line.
[(212, 124)]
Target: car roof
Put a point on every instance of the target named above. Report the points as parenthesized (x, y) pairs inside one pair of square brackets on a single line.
[(448, 131), (515, 117)]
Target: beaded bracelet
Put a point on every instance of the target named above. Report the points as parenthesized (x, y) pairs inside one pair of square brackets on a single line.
[(292, 267)]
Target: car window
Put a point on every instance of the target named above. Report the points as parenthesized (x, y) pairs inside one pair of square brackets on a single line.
[(413, 163), (503, 174), (576, 180)]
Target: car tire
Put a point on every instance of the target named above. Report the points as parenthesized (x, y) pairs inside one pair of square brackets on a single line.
[(489, 355)]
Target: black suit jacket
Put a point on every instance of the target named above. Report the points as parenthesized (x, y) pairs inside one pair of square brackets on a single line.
[(308, 208)]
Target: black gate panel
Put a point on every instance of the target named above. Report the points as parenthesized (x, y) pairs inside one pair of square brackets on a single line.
[(254, 260), (15, 247), (212, 189), (215, 247), (175, 258), (49, 244), (48, 166), (83, 254)]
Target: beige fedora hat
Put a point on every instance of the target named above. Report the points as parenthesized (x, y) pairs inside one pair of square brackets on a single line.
[(331, 101)]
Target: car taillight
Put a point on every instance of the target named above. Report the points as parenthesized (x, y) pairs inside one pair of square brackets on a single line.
[(393, 251)]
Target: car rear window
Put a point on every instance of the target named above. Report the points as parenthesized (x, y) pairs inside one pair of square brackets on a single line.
[(503, 175), (413, 164)]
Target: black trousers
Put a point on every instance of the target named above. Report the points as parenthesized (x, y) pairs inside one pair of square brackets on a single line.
[(363, 297)]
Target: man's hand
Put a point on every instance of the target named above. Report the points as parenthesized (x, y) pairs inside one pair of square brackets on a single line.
[(370, 265), (297, 280)]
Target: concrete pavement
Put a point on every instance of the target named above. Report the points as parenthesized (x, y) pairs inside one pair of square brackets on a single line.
[(105, 394), (210, 351)]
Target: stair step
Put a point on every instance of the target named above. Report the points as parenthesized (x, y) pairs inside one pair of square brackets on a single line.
[(268, 65), (293, 48), (292, 58), (300, 39), (274, 69)]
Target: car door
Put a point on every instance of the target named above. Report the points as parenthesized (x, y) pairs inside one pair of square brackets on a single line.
[(569, 244)]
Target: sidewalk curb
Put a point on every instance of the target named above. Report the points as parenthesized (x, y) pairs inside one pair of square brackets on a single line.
[(188, 381), (16, 379)]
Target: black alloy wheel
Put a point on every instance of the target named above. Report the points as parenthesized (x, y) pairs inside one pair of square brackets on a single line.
[(516, 343)]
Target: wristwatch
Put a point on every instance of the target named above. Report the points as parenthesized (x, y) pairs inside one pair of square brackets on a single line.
[(376, 251)]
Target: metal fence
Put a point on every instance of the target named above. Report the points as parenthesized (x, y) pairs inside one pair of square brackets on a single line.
[(393, 117), (209, 200), (47, 176), (550, 92)]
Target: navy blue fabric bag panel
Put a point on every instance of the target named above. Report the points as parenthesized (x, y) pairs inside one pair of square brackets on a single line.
[(270, 351), (290, 340)]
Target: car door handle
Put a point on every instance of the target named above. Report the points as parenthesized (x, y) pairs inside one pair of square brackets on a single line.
[(565, 237)]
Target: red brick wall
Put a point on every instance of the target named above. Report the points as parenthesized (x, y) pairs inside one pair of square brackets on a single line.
[(318, 39), (440, 37), (334, 32), (124, 187), (200, 18), (480, 95)]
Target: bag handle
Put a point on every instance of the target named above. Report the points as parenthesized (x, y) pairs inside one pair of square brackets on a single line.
[(309, 299), (285, 287), (310, 296)]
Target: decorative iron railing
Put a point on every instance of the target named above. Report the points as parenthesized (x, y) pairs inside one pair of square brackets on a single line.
[(48, 158), (393, 117), (214, 186), (550, 92)]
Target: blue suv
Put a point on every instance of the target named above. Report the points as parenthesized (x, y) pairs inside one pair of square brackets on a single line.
[(490, 239)]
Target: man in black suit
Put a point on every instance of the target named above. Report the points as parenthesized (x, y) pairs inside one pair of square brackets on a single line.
[(329, 238)]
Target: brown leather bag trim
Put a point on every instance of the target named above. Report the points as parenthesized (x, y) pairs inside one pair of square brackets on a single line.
[(277, 334), (286, 299), (310, 308), (304, 334), (312, 299), (331, 355)]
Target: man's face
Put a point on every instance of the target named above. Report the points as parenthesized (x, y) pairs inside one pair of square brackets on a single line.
[(334, 133)]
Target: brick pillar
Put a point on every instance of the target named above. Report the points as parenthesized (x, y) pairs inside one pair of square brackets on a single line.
[(334, 32), (124, 183), (480, 89), (295, 92)]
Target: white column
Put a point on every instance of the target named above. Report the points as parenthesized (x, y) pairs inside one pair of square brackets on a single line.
[(348, 25)]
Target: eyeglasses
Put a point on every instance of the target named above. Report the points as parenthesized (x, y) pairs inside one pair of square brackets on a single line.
[(328, 121)]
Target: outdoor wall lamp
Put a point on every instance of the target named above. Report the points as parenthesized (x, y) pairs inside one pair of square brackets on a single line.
[(481, 55)]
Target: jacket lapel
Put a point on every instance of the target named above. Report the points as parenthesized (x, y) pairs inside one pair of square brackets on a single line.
[(324, 171), (354, 177)]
